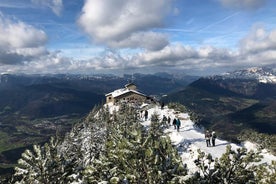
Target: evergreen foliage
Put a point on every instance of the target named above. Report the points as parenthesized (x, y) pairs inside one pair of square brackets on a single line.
[(177, 107), (113, 147), (233, 167), (136, 155), (264, 141), (42, 165), (266, 174)]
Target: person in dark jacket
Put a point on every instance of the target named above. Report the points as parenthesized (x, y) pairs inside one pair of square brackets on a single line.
[(174, 123), (214, 136), (146, 115), (164, 121), (169, 121), (178, 124), (162, 105)]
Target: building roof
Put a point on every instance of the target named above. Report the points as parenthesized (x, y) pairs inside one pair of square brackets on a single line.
[(123, 91)]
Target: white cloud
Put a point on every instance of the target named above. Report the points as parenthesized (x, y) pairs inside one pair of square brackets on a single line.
[(20, 42), (258, 40), (19, 35), (243, 4), (55, 5), (179, 56), (122, 23)]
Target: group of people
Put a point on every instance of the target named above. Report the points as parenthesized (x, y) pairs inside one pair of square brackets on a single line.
[(210, 137), (176, 122)]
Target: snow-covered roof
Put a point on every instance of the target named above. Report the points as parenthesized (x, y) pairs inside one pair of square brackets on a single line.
[(122, 91)]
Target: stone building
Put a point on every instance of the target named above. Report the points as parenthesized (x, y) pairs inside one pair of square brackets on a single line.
[(128, 94)]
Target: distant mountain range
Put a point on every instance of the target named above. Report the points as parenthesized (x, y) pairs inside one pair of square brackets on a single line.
[(232, 102)]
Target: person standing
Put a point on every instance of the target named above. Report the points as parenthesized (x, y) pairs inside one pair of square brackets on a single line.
[(174, 123), (164, 121), (169, 121), (146, 115), (207, 138), (162, 105), (214, 136), (141, 115), (178, 124)]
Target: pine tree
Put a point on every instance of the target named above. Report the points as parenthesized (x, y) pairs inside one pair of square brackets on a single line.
[(42, 165), (85, 142), (64, 162), (134, 154), (233, 167), (163, 164), (266, 173)]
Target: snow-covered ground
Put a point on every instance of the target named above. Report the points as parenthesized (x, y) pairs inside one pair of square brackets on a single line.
[(189, 138)]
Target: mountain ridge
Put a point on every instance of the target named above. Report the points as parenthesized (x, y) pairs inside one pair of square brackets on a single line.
[(261, 74)]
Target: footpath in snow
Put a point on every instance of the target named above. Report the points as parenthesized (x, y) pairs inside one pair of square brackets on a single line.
[(189, 138)]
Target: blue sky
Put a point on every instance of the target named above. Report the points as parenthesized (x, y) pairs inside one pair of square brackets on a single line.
[(198, 37)]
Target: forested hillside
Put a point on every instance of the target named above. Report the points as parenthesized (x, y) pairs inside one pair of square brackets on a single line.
[(112, 146)]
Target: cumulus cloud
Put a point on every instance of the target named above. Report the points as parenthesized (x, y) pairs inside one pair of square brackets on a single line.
[(20, 42), (243, 4), (258, 47), (258, 40), (179, 56), (55, 5), (123, 23)]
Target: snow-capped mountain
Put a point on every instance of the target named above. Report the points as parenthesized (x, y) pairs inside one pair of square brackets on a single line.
[(263, 75)]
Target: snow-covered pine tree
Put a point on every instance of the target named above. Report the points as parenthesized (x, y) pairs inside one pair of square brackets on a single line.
[(85, 142), (163, 164), (237, 166), (64, 162), (266, 173), (42, 165), (111, 166), (135, 154)]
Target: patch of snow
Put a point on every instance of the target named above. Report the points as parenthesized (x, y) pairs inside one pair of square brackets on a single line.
[(111, 108), (267, 79), (250, 146)]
